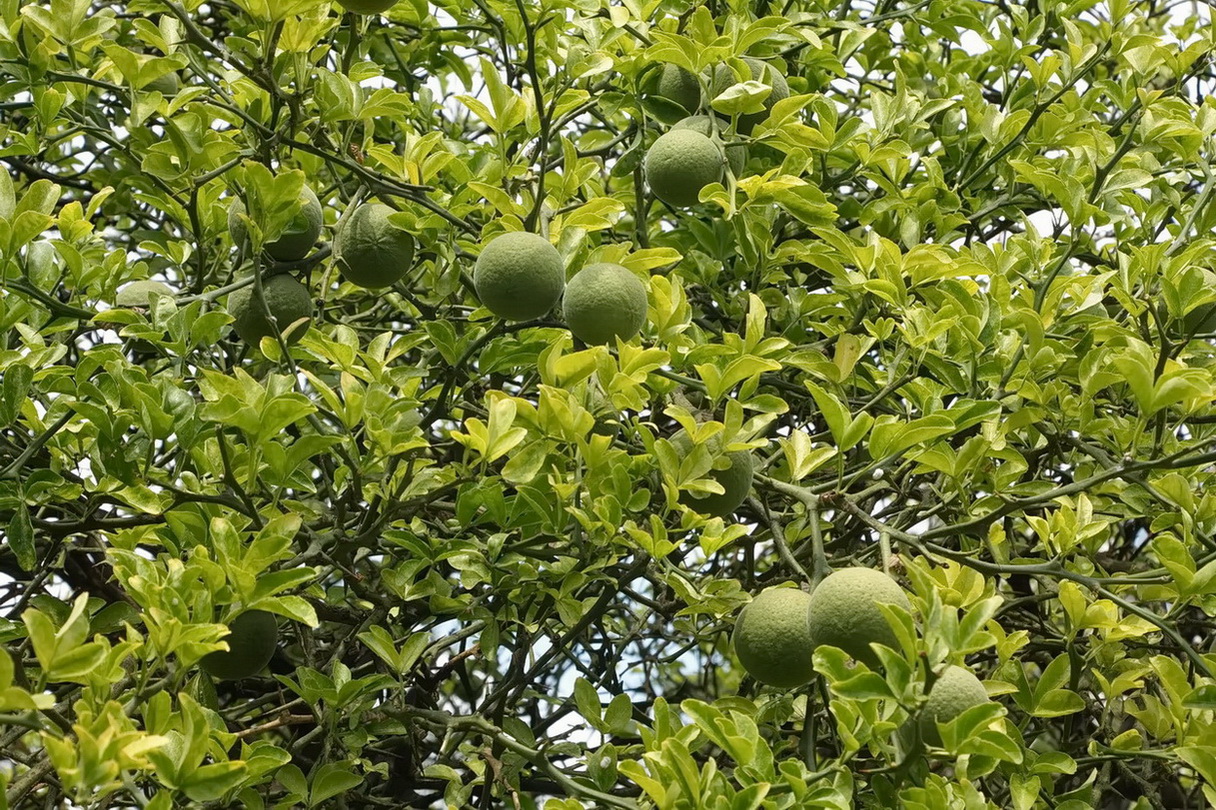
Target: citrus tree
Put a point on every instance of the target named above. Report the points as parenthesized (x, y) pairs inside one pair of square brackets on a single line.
[(400, 402)]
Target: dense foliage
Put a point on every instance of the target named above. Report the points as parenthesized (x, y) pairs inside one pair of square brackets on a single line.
[(956, 304)]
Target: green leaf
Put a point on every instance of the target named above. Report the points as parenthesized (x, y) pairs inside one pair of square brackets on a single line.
[(1058, 703), (889, 437), (588, 701), (19, 536), (209, 783), (745, 97), (1202, 698), (332, 779)]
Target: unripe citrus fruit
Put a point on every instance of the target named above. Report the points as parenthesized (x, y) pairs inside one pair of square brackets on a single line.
[(139, 293), (680, 87), (680, 163), (287, 299), (736, 155), (371, 251), (955, 691), (844, 611), (301, 233), (723, 77), (519, 276), (251, 643), (367, 6), (603, 302), (771, 638), (736, 479)]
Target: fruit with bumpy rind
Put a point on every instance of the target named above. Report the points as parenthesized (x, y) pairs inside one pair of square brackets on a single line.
[(519, 276), (251, 643), (955, 691), (287, 299), (370, 250), (367, 6), (844, 612), (723, 77), (736, 155), (299, 237), (771, 638), (680, 87), (138, 293), (603, 302), (682, 162), (736, 479)]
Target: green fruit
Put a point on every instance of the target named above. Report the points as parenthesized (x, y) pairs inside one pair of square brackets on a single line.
[(723, 77), (681, 163), (736, 155), (139, 293), (680, 87), (519, 276), (371, 251), (736, 479), (955, 691), (301, 234), (771, 638), (844, 612), (603, 302), (251, 643), (367, 6), (287, 299)]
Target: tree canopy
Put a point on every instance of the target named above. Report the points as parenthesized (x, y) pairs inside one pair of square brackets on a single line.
[(930, 286)]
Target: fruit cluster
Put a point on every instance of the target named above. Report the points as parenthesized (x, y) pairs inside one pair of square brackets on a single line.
[(777, 633), (692, 155), (518, 276)]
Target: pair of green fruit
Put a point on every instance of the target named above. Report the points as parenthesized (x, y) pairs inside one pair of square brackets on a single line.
[(370, 251), (520, 276), (683, 89), (777, 633), (690, 157)]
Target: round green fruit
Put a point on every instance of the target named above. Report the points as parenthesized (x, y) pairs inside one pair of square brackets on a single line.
[(139, 293), (287, 299), (723, 77), (680, 87), (301, 234), (251, 643), (736, 155), (367, 6), (955, 691), (736, 479), (603, 302), (519, 276), (771, 638), (844, 612), (682, 162), (371, 251)]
